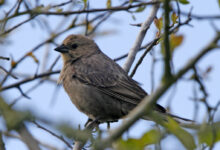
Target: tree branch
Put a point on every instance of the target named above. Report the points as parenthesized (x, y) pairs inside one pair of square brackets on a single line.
[(118, 8), (4, 58), (13, 76), (202, 17), (166, 41), (31, 143), (14, 85), (144, 27), (52, 133), (18, 25), (146, 105), (142, 57)]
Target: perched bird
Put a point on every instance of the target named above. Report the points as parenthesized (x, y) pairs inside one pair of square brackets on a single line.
[(97, 85)]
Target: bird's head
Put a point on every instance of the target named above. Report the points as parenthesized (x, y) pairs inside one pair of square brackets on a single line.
[(76, 46)]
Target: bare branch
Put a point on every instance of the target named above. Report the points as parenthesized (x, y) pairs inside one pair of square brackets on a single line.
[(31, 143), (26, 92), (118, 8), (126, 55), (62, 4), (144, 27), (52, 133), (4, 58), (13, 76), (142, 57), (18, 25), (14, 85), (22, 93), (202, 17)]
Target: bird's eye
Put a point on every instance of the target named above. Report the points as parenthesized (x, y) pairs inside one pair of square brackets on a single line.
[(74, 46)]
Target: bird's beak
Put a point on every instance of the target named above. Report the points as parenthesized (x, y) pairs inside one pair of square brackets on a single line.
[(62, 49)]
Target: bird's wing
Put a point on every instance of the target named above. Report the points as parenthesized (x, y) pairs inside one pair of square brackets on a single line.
[(108, 77)]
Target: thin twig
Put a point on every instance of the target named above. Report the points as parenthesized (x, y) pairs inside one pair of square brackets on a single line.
[(52, 133), (18, 25), (14, 85), (202, 17), (62, 4), (145, 46), (144, 27), (26, 92), (118, 8), (87, 21), (13, 76), (22, 93), (4, 58), (143, 56), (99, 23), (26, 136), (54, 63)]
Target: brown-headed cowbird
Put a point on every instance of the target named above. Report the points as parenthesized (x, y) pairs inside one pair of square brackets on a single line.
[(97, 85)]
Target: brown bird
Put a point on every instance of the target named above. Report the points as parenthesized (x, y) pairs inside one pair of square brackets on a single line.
[(97, 85)]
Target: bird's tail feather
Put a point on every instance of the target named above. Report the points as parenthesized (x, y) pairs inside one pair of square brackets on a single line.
[(166, 114), (179, 119)]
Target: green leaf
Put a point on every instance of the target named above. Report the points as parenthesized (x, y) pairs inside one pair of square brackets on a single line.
[(130, 144), (13, 119), (109, 3), (175, 41), (150, 137), (59, 9), (209, 134), (159, 23), (39, 8), (184, 2), (219, 3), (174, 18), (85, 3), (185, 138), (140, 9)]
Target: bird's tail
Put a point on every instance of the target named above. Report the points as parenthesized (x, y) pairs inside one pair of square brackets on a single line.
[(164, 116), (179, 119)]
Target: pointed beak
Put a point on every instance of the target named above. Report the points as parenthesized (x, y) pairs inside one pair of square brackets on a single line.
[(62, 49)]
